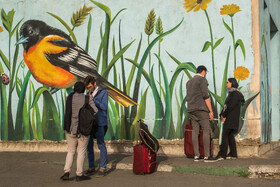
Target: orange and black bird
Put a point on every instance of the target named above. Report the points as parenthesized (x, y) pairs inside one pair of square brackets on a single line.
[(56, 61)]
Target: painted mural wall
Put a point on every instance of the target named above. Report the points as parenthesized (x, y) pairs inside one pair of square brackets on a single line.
[(269, 68), (146, 49)]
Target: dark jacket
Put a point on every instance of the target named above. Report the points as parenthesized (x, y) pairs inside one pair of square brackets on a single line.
[(197, 92), (101, 102), (231, 110)]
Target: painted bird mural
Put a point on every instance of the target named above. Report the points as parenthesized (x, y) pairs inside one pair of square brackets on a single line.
[(56, 61)]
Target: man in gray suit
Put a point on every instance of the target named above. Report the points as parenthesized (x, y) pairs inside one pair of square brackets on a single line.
[(200, 112)]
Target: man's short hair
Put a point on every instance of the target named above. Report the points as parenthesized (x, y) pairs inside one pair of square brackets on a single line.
[(79, 87), (200, 69), (89, 79)]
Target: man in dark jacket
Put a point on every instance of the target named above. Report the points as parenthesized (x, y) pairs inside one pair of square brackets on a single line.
[(100, 98), (75, 141), (200, 111), (230, 115)]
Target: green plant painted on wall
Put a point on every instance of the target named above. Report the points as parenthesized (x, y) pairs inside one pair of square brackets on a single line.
[(33, 121)]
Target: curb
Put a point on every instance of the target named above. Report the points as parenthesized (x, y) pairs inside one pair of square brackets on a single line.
[(260, 171), (257, 171)]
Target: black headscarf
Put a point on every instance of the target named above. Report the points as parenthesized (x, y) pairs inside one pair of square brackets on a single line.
[(79, 87)]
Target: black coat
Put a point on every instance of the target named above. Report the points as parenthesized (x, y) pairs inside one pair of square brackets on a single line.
[(231, 110), (68, 113)]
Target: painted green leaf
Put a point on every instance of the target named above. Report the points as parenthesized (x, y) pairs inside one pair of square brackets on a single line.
[(5, 21), (179, 120), (122, 61), (225, 77), (20, 108), (122, 129), (115, 58), (243, 110), (218, 42), (214, 124), (181, 67), (206, 45), (117, 15), (140, 115), (162, 91), (66, 26), (16, 27), (88, 32), (5, 60), (178, 62), (159, 113), (181, 94), (38, 94), (114, 118), (144, 73), (168, 105), (50, 118), (4, 109), (105, 39), (99, 49), (217, 98), (182, 109), (11, 16), (239, 42), (12, 85), (228, 28), (34, 121), (131, 74)]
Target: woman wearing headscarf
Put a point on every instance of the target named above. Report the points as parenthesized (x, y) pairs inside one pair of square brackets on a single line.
[(230, 116), (75, 141)]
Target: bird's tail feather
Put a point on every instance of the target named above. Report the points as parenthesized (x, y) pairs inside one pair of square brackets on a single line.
[(116, 94)]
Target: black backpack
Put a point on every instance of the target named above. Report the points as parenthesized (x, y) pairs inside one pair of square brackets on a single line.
[(87, 119), (147, 138)]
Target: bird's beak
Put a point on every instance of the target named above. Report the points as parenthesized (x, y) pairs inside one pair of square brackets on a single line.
[(22, 40)]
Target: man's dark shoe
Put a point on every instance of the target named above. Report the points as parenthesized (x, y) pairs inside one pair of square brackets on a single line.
[(101, 173), (82, 178), (65, 176), (90, 171), (210, 159)]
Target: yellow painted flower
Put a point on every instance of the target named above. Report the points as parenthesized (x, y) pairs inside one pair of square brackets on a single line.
[(241, 73), (230, 9), (196, 5), (1, 29)]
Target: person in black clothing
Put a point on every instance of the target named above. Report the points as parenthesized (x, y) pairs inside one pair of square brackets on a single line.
[(230, 116)]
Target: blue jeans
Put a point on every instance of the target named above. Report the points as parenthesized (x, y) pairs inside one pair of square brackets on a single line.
[(99, 135)]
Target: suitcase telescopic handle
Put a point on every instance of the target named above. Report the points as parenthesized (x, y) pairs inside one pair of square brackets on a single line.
[(137, 129)]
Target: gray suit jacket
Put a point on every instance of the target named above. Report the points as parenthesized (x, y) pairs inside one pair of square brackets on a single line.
[(77, 103)]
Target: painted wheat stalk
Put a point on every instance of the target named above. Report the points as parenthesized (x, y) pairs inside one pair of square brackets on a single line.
[(159, 27), (150, 23), (79, 16), (149, 29), (159, 31)]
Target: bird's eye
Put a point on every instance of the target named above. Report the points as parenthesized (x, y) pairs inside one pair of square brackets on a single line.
[(30, 32)]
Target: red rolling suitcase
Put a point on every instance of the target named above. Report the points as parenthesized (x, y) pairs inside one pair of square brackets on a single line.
[(144, 160), (188, 146)]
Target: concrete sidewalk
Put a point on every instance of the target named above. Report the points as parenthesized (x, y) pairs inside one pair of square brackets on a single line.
[(267, 166)]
